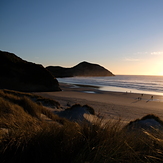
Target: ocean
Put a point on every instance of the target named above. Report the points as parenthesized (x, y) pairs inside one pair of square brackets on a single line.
[(122, 83)]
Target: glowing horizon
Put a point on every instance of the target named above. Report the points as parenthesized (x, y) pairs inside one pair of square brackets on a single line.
[(123, 36)]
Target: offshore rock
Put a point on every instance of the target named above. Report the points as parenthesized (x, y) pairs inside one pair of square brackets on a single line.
[(83, 69)]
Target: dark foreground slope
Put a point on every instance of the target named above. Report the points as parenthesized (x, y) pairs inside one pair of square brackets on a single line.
[(18, 74), (82, 69), (30, 133)]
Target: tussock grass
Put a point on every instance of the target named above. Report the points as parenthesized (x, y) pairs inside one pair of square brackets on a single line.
[(88, 108), (32, 139), (38, 99), (16, 110)]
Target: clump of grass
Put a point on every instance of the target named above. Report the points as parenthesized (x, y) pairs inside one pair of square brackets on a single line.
[(88, 108), (32, 139), (14, 110), (38, 99), (74, 143)]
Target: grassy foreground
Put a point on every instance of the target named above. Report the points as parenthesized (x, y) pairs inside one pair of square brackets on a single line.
[(25, 136)]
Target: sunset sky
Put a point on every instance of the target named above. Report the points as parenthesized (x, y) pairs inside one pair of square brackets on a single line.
[(124, 36)]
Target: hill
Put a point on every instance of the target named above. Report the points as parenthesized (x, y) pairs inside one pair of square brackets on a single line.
[(18, 74), (84, 69)]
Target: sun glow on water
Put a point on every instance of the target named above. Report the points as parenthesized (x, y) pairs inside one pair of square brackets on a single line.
[(161, 74)]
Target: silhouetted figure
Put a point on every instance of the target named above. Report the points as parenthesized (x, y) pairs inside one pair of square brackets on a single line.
[(141, 95), (150, 99)]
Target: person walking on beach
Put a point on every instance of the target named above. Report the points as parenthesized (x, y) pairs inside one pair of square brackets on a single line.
[(140, 98), (150, 99)]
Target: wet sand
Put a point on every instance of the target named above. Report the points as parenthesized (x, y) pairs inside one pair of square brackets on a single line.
[(110, 105)]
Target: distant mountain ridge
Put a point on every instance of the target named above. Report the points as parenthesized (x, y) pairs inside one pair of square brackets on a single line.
[(84, 69), (18, 74)]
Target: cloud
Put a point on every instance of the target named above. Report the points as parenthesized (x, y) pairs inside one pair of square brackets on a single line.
[(157, 53), (132, 59)]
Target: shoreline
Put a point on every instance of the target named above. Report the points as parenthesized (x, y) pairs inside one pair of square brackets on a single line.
[(111, 105), (130, 84), (97, 89)]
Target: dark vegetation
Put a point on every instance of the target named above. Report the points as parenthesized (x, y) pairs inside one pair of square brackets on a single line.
[(89, 108), (82, 69), (26, 136), (38, 99), (18, 74)]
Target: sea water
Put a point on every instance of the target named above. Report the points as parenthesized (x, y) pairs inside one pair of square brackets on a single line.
[(122, 83)]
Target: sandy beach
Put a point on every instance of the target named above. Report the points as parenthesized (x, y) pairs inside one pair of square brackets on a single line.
[(110, 105)]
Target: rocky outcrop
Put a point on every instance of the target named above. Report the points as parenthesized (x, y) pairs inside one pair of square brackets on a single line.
[(84, 69), (18, 74)]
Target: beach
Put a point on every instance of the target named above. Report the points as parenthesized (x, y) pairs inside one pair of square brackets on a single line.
[(126, 106)]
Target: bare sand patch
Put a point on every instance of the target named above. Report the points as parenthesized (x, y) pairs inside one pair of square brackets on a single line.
[(109, 105)]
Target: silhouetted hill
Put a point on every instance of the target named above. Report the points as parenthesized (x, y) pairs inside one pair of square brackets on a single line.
[(82, 69), (18, 74)]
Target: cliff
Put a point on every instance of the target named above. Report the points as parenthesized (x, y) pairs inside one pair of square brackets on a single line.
[(84, 69), (18, 74)]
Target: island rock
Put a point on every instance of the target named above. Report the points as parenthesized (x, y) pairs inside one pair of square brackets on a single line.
[(84, 69)]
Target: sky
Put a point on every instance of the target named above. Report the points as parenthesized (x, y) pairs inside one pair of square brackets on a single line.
[(124, 36)]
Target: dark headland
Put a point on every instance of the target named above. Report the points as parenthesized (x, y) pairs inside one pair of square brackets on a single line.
[(18, 74), (84, 69)]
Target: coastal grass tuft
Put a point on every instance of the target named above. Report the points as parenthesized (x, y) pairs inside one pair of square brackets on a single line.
[(26, 137), (36, 98)]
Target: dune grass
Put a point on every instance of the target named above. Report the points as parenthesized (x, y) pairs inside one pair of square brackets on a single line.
[(38, 99), (30, 138)]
